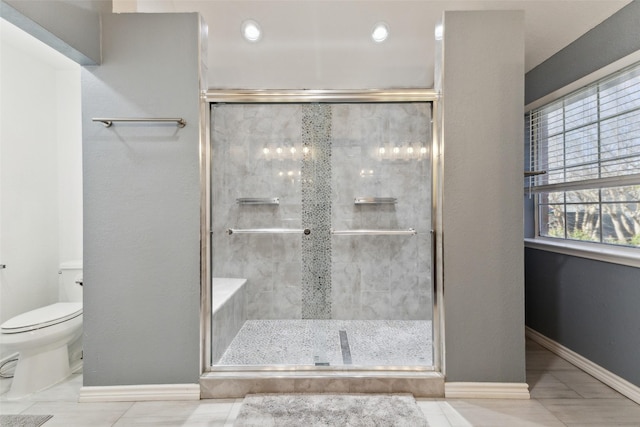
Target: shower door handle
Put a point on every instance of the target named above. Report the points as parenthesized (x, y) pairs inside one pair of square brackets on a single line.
[(3, 266), (231, 231)]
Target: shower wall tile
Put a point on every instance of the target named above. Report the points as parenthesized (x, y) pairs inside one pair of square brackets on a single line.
[(287, 274), (375, 276), (425, 284), (403, 279), (346, 289), (367, 276), (287, 302), (256, 216), (259, 303), (345, 216), (427, 306), (285, 179), (376, 305), (346, 249), (345, 124), (390, 266), (424, 246), (404, 251), (263, 272), (408, 302), (246, 163), (288, 246)]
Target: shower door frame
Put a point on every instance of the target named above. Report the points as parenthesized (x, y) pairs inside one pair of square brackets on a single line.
[(307, 96)]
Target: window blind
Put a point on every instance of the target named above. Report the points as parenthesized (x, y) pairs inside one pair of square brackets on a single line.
[(589, 139)]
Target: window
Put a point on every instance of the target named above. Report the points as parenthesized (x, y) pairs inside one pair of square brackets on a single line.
[(588, 144)]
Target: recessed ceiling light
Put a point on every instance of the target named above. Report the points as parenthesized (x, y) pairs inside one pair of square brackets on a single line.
[(251, 31), (380, 32)]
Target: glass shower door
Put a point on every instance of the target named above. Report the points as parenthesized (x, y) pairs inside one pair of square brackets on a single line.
[(339, 269), (381, 251)]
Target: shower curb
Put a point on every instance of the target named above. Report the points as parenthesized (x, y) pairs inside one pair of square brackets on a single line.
[(217, 385)]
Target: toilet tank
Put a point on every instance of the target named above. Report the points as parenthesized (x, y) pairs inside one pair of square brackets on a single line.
[(69, 282)]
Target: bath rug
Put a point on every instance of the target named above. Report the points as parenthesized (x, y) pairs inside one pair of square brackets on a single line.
[(330, 410), (23, 420)]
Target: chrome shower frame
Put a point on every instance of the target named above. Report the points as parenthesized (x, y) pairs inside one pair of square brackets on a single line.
[(319, 96)]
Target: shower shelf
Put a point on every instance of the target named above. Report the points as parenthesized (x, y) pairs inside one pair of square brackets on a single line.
[(375, 200), (231, 231), (258, 201), (364, 232)]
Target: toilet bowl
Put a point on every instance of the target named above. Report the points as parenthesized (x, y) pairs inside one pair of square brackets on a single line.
[(41, 337)]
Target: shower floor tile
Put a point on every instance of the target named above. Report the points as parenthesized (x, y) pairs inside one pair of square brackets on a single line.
[(318, 342)]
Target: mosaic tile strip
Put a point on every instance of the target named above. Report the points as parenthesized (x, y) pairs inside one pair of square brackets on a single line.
[(316, 211)]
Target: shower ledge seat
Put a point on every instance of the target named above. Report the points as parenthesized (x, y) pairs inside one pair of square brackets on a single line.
[(228, 313)]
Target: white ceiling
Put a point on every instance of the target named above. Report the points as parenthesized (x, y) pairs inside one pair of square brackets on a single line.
[(326, 44), (317, 44)]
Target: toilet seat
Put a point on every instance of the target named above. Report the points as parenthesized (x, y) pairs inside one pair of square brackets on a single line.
[(42, 317)]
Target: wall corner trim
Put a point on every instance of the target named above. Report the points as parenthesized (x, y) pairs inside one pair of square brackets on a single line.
[(617, 383), (472, 390), (138, 393)]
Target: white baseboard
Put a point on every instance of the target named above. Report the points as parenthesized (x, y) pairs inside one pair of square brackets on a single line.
[(138, 393), (617, 383), (469, 390)]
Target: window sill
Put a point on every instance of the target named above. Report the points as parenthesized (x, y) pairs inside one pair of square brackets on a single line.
[(595, 251)]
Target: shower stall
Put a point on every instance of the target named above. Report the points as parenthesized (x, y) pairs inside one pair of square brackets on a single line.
[(321, 248)]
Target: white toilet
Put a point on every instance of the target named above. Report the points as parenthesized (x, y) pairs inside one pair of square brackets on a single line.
[(42, 336)]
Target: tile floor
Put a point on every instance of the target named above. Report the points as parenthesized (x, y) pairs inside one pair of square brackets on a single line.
[(562, 395), (309, 341)]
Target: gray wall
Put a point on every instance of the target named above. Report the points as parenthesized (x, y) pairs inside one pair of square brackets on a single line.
[(585, 305), (142, 204), (588, 306), (613, 39), (72, 27), (483, 89)]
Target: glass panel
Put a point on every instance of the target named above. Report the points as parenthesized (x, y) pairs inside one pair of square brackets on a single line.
[(552, 177), (552, 221), (321, 299), (583, 196), (581, 109), (621, 194), (621, 223), (382, 284), (620, 94), (550, 120), (552, 160), (581, 146), (620, 140), (551, 198), (583, 222), (580, 173)]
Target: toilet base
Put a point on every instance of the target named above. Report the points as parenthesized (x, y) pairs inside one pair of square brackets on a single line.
[(39, 370)]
